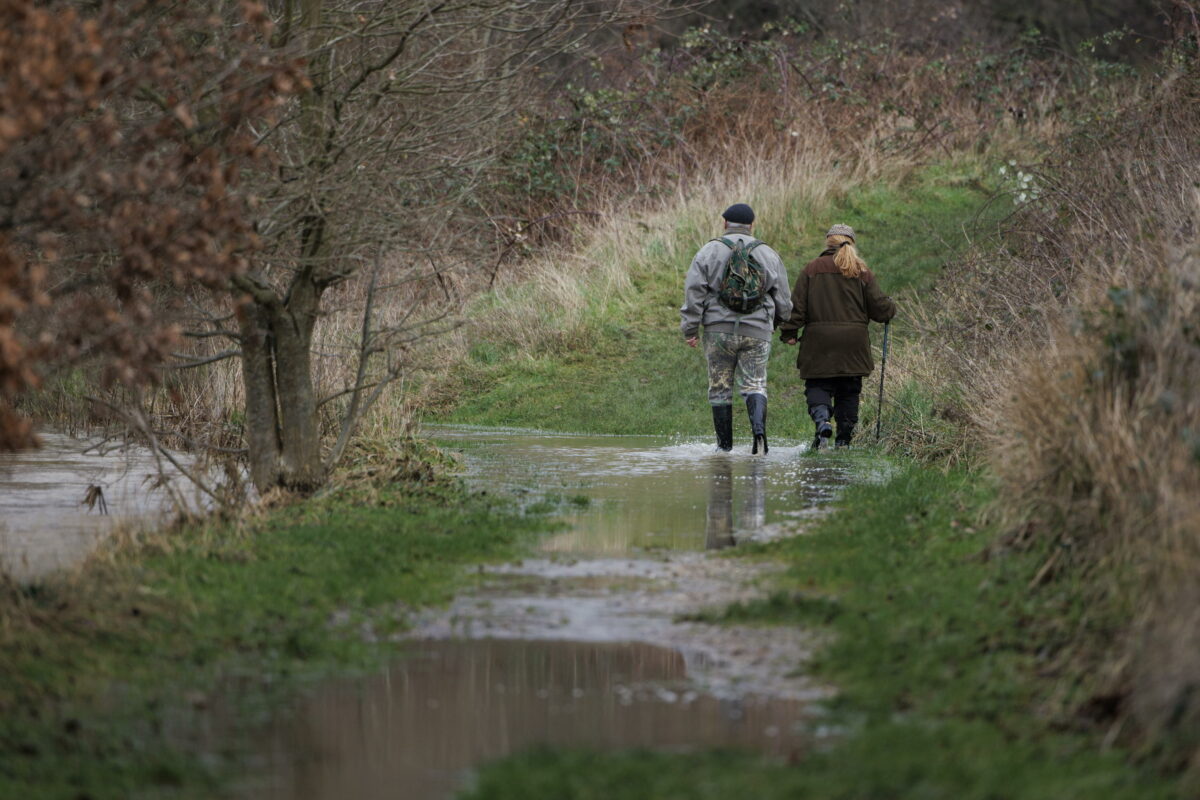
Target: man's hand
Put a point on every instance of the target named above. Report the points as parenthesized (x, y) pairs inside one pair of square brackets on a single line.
[(691, 341), (789, 341)]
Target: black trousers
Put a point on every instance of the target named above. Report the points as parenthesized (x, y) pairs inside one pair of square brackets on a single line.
[(840, 394)]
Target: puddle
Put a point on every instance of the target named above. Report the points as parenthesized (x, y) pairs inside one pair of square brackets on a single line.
[(417, 730), (586, 644), (649, 492), (639, 600), (44, 524)]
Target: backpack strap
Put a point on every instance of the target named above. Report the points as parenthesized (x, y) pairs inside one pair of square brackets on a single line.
[(731, 244)]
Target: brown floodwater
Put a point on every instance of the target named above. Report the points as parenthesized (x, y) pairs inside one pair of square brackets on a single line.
[(418, 729), (623, 494), (44, 523), (582, 646)]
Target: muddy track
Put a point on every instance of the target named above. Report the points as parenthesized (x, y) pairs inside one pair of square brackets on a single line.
[(641, 600), (592, 641)]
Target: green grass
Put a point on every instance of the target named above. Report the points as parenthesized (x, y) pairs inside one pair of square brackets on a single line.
[(629, 372), (941, 686), (96, 671)]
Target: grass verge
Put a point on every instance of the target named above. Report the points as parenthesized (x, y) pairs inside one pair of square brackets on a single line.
[(939, 684), (111, 677)]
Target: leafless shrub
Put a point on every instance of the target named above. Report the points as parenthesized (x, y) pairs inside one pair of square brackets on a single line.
[(375, 165)]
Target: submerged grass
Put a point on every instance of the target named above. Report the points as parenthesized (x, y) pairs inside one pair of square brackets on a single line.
[(619, 365), (939, 686), (110, 677)]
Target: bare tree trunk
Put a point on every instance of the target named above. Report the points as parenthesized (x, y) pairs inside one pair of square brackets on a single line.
[(262, 408), (282, 428), (300, 461)]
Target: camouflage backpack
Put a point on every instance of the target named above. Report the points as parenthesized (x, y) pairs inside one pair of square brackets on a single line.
[(741, 287)]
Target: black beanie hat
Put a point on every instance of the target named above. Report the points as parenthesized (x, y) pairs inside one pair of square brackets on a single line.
[(739, 214)]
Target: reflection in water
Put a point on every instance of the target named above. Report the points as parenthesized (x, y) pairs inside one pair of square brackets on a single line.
[(754, 512), (650, 492), (719, 528), (718, 532), (415, 730)]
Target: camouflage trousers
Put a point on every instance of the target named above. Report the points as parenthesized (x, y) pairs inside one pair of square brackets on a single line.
[(740, 359)]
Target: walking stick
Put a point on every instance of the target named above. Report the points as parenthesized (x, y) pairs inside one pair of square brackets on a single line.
[(882, 370)]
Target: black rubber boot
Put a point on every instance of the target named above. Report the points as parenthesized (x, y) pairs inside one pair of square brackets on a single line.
[(723, 422), (820, 417), (756, 407), (844, 434)]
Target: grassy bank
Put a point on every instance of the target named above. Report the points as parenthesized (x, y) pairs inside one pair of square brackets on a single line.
[(940, 688), (617, 363), (111, 677)]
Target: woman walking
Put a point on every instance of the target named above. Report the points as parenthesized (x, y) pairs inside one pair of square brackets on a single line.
[(834, 299)]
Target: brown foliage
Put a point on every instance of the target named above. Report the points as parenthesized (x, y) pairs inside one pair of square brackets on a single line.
[(122, 139), (647, 124)]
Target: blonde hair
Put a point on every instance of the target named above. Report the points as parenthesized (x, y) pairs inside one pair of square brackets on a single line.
[(847, 258)]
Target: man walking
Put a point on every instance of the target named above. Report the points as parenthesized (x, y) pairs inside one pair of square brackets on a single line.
[(737, 288)]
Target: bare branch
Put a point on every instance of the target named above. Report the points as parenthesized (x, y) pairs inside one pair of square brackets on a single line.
[(190, 362), (350, 421)]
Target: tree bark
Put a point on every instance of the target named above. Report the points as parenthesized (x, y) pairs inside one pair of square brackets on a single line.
[(258, 379), (282, 428), (300, 457)]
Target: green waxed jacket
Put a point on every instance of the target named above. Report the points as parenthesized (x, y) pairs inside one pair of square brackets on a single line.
[(833, 311)]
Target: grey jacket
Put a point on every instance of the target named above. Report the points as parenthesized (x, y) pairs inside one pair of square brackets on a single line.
[(700, 303)]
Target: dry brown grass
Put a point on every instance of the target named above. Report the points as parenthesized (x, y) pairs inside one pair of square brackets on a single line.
[(1076, 349), (549, 305), (1095, 444)]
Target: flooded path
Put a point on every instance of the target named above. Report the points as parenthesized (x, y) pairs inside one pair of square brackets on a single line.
[(587, 644), (417, 729), (640, 493), (45, 525)]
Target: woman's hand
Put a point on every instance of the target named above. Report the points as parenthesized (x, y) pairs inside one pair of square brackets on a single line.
[(789, 341)]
